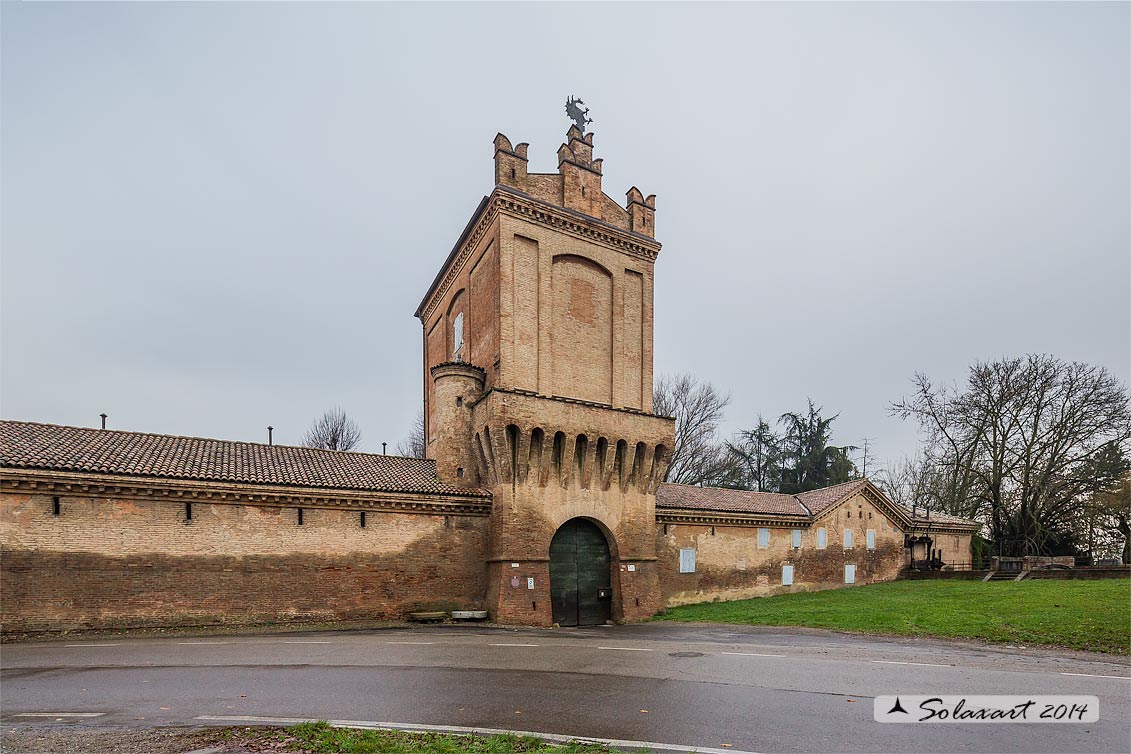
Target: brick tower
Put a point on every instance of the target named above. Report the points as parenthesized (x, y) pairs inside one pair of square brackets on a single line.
[(538, 386)]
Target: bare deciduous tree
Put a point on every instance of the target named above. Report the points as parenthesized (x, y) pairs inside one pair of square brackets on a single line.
[(867, 458), (333, 431), (911, 481), (699, 456), (1024, 445), (413, 446)]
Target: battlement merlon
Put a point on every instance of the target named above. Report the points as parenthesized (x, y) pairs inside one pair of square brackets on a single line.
[(642, 212), (510, 162), (577, 184)]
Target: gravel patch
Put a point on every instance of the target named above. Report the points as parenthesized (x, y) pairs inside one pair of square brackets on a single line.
[(103, 740)]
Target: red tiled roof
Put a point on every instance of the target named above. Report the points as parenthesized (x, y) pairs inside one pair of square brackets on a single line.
[(28, 445), (744, 501), (936, 517), (725, 500), (819, 500), (809, 504)]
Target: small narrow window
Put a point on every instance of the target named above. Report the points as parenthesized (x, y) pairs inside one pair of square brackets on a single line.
[(763, 537), (188, 511), (459, 472), (459, 402), (687, 560), (870, 536), (849, 574), (457, 337), (362, 519), (797, 539), (822, 538), (848, 539), (787, 575), (300, 516), (56, 508)]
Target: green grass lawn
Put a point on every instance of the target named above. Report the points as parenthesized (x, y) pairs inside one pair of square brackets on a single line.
[(1094, 615), (322, 738)]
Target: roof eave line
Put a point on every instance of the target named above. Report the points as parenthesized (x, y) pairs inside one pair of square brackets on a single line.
[(804, 507)]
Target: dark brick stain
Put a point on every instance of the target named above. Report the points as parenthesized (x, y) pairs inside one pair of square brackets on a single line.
[(812, 568)]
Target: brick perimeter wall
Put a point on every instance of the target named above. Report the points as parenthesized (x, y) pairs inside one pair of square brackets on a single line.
[(114, 563), (1092, 572)]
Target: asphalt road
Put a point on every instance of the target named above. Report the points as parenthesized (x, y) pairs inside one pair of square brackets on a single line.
[(751, 689)]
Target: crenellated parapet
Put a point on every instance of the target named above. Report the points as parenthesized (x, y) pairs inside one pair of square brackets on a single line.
[(529, 456), (641, 212), (578, 150), (510, 162), (527, 440), (577, 184)]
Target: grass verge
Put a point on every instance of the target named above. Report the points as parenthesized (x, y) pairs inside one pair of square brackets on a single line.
[(322, 738), (1091, 615)]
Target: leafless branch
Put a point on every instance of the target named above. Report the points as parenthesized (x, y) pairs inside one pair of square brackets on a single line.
[(699, 456), (413, 446), (333, 431)]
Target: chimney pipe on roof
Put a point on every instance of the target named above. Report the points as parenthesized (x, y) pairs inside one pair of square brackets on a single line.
[(103, 420), (270, 439), (383, 448)]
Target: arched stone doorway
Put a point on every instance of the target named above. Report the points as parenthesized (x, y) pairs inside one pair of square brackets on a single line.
[(580, 577)]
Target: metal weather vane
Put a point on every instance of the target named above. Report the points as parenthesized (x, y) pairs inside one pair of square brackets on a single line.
[(577, 113)]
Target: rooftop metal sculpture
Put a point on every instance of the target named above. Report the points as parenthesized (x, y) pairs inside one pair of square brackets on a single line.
[(576, 113)]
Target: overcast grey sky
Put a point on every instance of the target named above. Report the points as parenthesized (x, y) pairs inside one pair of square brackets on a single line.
[(217, 217)]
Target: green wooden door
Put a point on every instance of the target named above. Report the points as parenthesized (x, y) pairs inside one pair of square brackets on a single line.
[(580, 580)]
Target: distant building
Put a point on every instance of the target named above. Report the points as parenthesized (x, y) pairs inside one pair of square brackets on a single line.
[(541, 500)]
